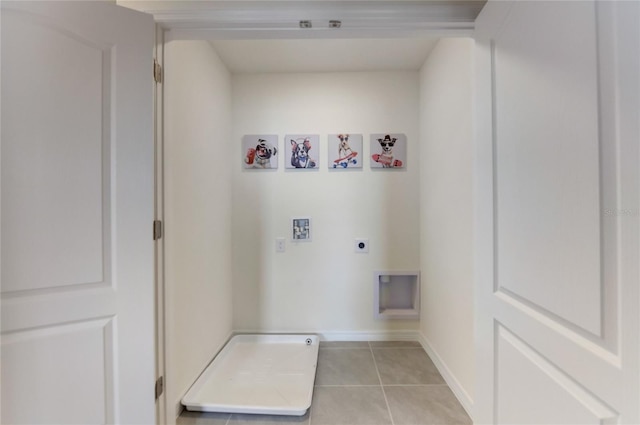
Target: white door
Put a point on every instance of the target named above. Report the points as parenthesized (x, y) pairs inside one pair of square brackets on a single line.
[(77, 208), (558, 211)]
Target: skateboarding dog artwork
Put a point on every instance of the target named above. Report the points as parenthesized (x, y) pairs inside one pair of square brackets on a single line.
[(343, 150), (388, 150)]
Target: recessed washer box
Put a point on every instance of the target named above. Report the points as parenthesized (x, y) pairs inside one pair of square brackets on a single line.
[(397, 294)]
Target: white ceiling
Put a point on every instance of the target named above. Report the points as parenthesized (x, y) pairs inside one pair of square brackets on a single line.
[(324, 55)]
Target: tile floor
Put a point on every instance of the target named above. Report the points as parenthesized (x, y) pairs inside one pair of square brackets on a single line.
[(365, 383)]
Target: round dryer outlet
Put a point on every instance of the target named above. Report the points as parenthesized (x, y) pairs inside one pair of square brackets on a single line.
[(362, 245)]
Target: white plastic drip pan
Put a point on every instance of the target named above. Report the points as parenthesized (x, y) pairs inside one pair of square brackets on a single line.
[(262, 374)]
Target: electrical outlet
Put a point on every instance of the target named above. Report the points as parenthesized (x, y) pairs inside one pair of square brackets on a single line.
[(362, 246), (280, 245)]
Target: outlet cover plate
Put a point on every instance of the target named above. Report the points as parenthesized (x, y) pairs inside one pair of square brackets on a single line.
[(280, 245)]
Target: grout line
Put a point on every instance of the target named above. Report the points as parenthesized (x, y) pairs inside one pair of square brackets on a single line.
[(397, 348), (415, 385), (348, 385), (348, 348), (405, 347), (381, 386)]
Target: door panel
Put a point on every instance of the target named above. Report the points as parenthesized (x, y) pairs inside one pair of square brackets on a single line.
[(563, 399), (557, 243), (53, 194), (83, 357), (547, 170), (77, 210)]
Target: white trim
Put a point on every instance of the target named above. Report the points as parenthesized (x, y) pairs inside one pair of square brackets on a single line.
[(280, 19), (458, 390), (483, 213), (211, 34), (161, 292), (369, 335), (401, 335)]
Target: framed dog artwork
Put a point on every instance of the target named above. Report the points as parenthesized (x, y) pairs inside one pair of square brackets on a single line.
[(345, 151), (301, 151), (388, 150), (260, 152)]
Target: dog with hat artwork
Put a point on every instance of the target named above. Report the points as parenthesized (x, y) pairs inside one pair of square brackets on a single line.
[(388, 150), (260, 151)]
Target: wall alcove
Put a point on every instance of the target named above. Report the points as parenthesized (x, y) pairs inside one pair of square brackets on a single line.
[(238, 68), (397, 294)]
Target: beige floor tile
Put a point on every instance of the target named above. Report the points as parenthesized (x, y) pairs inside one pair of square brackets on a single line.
[(406, 366), (425, 406), (349, 406), (346, 367), (202, 418), (348, 390)]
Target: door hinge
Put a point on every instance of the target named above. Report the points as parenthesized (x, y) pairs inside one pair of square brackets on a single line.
[(157, 229), (159, 387), (157, 71)]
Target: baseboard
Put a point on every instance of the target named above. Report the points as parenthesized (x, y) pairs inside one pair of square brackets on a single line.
[(179, 410), (348, 335), (463, 397), (369, 336)]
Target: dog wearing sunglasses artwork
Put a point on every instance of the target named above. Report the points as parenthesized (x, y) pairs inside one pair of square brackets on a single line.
[(386, 156)]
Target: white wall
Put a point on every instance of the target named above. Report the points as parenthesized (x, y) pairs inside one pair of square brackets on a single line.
[(446, 212), (197, 210), (322, 285)]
